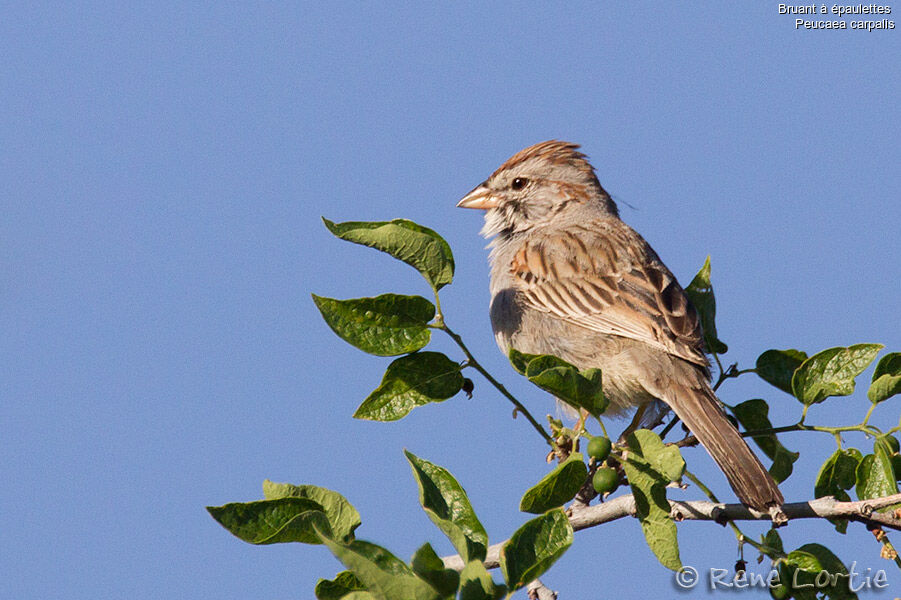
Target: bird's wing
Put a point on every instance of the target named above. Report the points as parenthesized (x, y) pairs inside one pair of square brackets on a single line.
[(604, 277)]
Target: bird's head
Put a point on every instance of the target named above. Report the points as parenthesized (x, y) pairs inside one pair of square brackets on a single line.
[(536, 185)]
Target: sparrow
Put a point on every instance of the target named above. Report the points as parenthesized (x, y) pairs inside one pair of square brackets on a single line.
[(571, 279)]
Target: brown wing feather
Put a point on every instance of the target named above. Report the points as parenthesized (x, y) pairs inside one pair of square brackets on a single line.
[(604, 277)]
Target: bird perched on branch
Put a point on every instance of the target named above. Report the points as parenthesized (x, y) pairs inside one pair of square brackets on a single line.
[(569, 278)]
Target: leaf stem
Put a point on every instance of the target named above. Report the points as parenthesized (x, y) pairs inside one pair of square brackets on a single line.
[(719, 365), (756, 545), (439, 316), (603, 428), (866, 419), (800, 426), (862, 427), (892, 551), (669, 426), (730, 373), (472, 362), (742, 539), (763, 548)]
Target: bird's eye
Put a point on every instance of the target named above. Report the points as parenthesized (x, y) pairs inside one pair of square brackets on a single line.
[(519, 183)]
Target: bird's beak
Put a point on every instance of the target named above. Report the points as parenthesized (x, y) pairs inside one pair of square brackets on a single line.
[(480, 198)]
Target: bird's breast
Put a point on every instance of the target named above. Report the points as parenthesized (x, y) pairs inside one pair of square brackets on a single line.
[(531, 331)]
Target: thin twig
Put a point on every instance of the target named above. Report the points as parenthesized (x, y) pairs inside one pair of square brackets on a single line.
[(472, 362), (669, 426), (739, 534), (691, 440)]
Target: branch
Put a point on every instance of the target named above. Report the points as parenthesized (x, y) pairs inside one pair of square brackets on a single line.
[(584, 517), (538, 591)]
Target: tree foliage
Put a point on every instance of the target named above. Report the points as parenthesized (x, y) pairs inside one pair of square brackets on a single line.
[(402, 326)]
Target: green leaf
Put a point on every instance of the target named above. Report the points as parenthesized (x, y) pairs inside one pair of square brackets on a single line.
[(884, 447), (535, 547), (272, 521), (411, 381), (886, 378), (520, 360), (386, 325), (776, 367), (581, 389), (381, 557), (700, 292), (875, 476), (651, 506), (832, 372), (418, 246), (783, 465), (811, 560), (446, 504), (789, 574), (774, 544), (557, 487), (342, 516), (666, 460), (477, 584), (836, 475), (804, 561), (344, 583), (754, 415), (428, 565), (385, 576)]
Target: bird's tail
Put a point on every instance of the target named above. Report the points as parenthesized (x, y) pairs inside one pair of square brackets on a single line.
[(699, 409)]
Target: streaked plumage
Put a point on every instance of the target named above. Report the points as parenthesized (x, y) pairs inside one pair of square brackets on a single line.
[(569, 278)]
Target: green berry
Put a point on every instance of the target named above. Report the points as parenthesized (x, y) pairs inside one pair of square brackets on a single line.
[(892, 441), (599, 448), (605, 480), (780, 592), (896, 466)]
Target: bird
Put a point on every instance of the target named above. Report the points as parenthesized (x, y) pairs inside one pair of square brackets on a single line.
[(571, 279)]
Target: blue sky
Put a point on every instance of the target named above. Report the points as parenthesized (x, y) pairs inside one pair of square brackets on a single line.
[(164, 168)]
